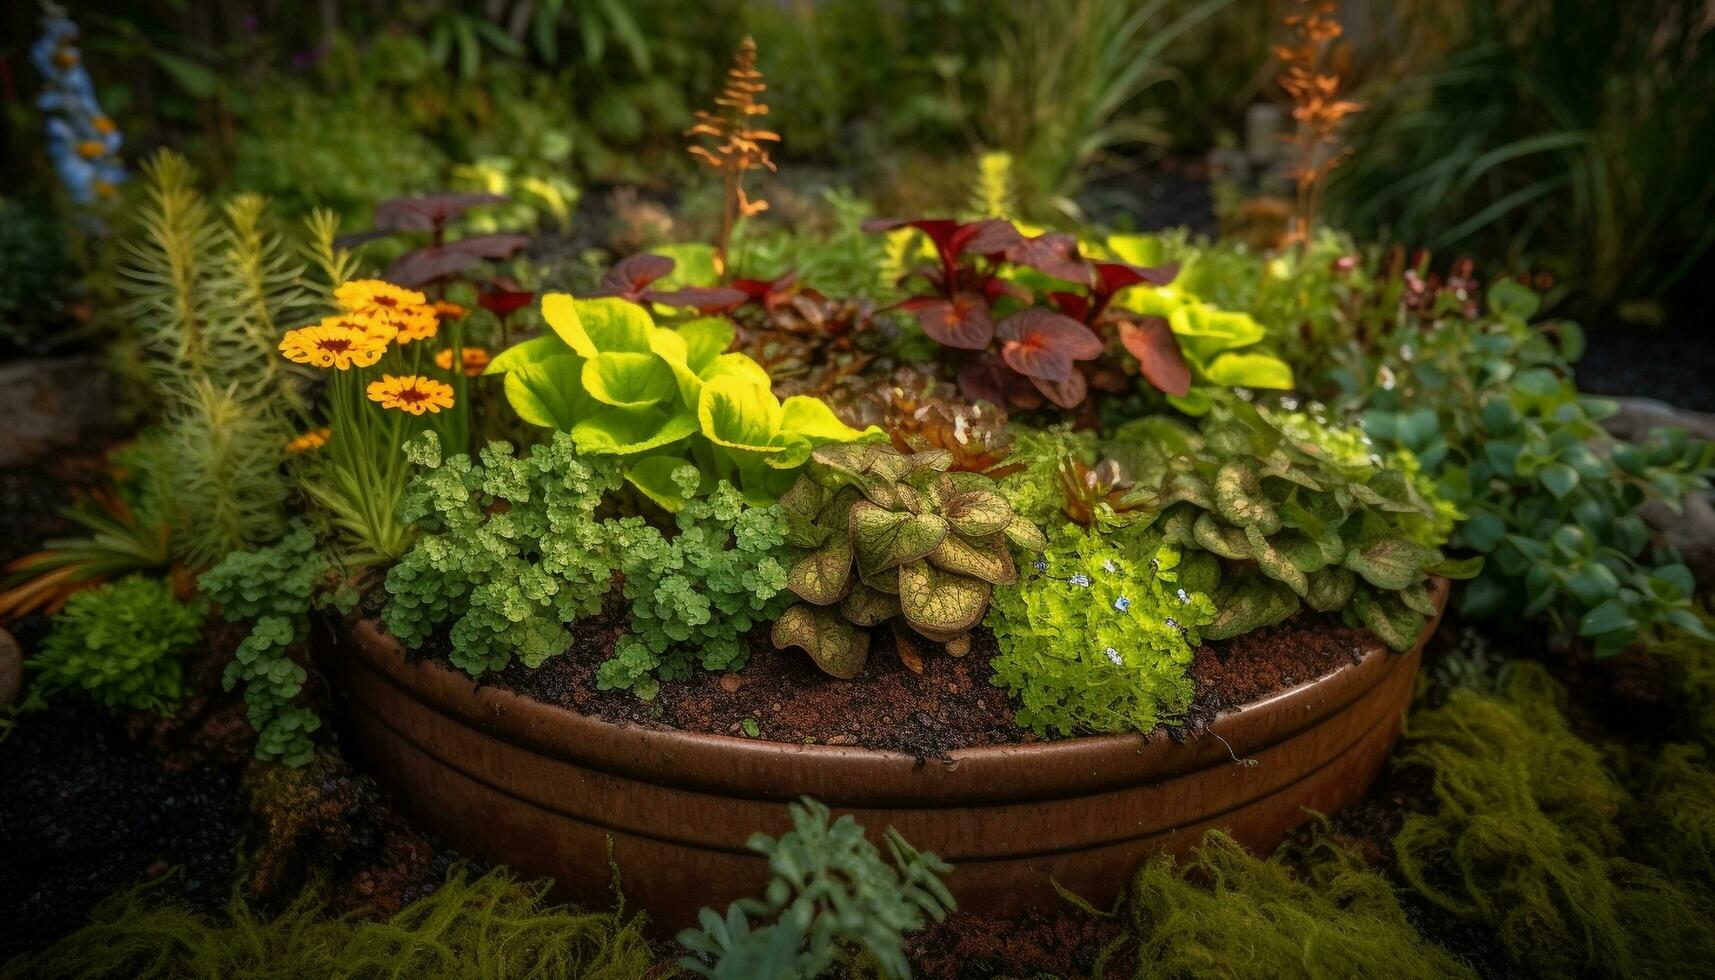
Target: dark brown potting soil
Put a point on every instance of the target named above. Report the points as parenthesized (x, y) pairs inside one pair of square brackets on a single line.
[(781, 696)]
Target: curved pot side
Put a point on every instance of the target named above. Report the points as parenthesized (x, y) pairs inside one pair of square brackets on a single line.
[(545, 789)]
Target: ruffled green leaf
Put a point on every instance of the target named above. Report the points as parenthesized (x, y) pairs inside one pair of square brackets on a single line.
[(838, 647), (1389, 563), (550, 392), (986, 558), (939, 604), (1240, 499), (626, 431), (820, 577), (739, 415), (864, 606), (626, 380), (886, 539)]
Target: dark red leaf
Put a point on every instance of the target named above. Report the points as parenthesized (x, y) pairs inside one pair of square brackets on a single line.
[(1111, 277), (424, 213), (987, 378), (963, 322), (1066, 394), (503, 298), (1074, 305), (995, 289), (770, 294), (1151, 341), (424, 265), (707, 299), (631, 275), (1055, 254), (1043, 344), (990, 236)]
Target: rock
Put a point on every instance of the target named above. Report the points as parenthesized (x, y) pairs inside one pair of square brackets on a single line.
[(1691, 531), (50, 404), (11, 669), (1638, 416)]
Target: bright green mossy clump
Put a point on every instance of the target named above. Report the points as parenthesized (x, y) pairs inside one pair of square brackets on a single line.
[(121, 645), (1222, 912), (1096, 641), (1526, 839), (495, 927)]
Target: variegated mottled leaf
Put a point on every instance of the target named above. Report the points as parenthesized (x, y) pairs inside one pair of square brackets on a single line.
[(1275, 563), (1188, 487), (977, 513), (886, 582), (885, 539), (1213, 534), (1416, 598), (1389, 563), (803, 504), (1256, 603), (986, 558), (838, 647), (865, 606), (940, 604), (1240, 499), (1388, 618), (1179, 526), (1199, 571), (1305, 553), (1331, 589), (1021, 532), (820, 577)]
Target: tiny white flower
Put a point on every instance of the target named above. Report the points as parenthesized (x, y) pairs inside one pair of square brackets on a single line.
[(1114, 655), (1122, 603), (1109, 566), (1080, 580), (1184, 597)]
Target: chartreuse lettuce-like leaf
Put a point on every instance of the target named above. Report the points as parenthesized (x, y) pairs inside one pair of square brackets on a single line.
[(624, 386)]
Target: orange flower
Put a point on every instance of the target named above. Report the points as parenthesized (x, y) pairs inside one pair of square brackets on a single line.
[(382, 308), (104, 125), (449, 311), (475, 360), (309, 441), (411, 393), (332, 343), (90, 149)]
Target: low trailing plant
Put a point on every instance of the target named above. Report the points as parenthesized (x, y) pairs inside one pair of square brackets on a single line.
[(272, 588), (1489, 405), (831, 895), (510, 551), (1276, 510), (120, 644), (657, 398), (1094, 640), (889, 537)]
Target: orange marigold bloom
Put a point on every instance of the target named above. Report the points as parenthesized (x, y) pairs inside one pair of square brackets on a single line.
[(450, 311), (411, 393), (309, 441), (332, 343), (380, 307), (475, 360)]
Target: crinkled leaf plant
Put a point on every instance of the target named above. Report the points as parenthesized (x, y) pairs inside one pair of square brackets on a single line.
[(659, 397), (893, 537)]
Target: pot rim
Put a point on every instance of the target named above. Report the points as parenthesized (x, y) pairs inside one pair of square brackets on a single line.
[(977, 775)]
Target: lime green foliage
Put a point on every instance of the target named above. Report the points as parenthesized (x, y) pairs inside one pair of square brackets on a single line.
[(531, 198), (494, 926), (994, 194), (659, 398), (120, 645), (1323, 913), (510, 550), (272, 588), (1553, 500), (887, 535), (696, 595), (1224, 347), (1289, 519), (1525, 839), (1095, 641), (831, 893), (1034, 489), (211, 298)]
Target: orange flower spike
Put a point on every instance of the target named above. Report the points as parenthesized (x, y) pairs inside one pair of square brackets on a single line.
[(731, 144)]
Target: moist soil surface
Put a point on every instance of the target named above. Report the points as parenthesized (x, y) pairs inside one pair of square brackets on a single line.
[(781, 696)]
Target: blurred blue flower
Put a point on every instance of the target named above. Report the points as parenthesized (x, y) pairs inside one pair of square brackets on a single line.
[(82, 141)]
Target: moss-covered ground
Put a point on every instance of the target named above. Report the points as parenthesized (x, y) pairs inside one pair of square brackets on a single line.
[(1541, 818)]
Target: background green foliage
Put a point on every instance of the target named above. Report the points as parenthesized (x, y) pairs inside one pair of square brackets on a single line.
[(272, 588), (1096, 639), (1489, 404), (120, 644), (832, 894)]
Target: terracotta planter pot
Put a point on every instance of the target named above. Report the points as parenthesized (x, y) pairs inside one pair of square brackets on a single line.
[(546, 790)]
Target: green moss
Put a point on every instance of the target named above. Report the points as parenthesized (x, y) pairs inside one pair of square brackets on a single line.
[(493, 926), (1526, 839), (1224, 913)]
